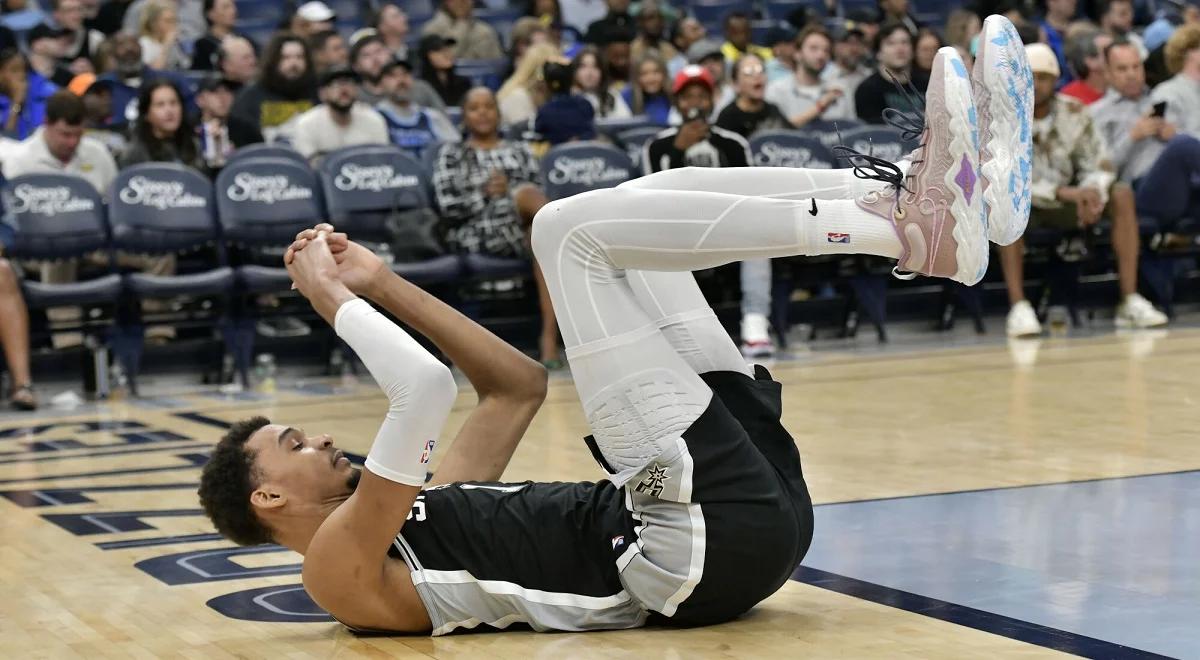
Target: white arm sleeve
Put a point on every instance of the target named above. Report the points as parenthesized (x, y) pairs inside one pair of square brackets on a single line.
[(419, 388)]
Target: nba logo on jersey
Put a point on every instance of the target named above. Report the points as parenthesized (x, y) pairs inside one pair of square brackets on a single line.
[(837, 237), (428, 453)]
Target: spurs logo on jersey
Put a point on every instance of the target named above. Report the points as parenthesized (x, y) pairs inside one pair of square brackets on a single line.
[(653, 483)]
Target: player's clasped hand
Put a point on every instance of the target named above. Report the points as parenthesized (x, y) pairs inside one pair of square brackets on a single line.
[(357, 267)]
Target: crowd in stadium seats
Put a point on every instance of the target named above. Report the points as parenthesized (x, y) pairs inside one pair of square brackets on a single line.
[(479, 94)]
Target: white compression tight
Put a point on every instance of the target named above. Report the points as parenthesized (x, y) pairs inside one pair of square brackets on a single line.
[(639, 384)]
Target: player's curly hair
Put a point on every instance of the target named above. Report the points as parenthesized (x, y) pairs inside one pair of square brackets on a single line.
[(1185, 39), (227, 482)]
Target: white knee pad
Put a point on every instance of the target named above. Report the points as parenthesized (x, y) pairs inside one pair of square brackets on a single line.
[(640, 418)]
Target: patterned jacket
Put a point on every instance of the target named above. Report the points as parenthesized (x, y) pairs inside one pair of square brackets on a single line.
[(475, 223), (1068, 150)]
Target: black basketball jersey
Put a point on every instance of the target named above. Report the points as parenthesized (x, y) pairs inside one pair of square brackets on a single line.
[(543, 554)]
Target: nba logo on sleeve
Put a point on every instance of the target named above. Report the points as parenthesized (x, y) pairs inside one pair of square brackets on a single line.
[(837, 237), (428, 453)]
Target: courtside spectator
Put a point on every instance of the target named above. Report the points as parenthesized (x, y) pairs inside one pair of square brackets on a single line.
[(928, 44), (285, 89), (487, 191), (437, 69), (1116, 19), (1055, 22), (237, 61), (804, 97), (162, 132), (368, 56), (696, 144), (547, 11), (685, 32), (159, 37), (526, 32), (391, 24), (580, 14), (23, 96), (1073, 187), (849, 66), (1085, 52), (591, 82), (898, 11), (617, 20), (310, 18), (109, 17), (329, 50), (651, 33), (781, 39), (737, 39), (615, 49), (221, 17), (98, 120), (471, 38), (750, 112), (1149, 151), (8, 38), (47, 45), (647, 95), (83, 42), (894, 53), (189, 16), (1182, 91), (962, 28), (14, 337), (708, 54), (340, 121), (411, 126), (220, 133), (524, 92), (565, 116), (865, 19)]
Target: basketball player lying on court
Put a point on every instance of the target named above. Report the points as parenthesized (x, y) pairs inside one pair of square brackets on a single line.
[(704, 511)]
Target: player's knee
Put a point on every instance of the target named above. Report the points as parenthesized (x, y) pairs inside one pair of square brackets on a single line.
[(557, 222)]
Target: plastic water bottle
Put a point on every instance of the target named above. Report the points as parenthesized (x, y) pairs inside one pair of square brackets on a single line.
[(1059, 320), (264, 372)]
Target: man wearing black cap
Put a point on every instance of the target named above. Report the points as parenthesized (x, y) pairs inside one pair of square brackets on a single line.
[(411, 125), (781, 39), (849, 67), (219, 132), (617, 18), (340, 121), (47, 46), (473, 39)]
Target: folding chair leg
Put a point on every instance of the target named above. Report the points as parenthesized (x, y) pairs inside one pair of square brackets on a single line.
[(871, 291), (781, 301), (237, 332), (972, 301), (128, 343)]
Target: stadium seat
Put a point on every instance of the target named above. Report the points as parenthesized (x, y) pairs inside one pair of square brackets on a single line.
[(779, 10), (488, 73), (879, 141), (712, 13), (156, 209), (790, 149), (831, 131), (365, 185), (56, 216), (263, 150), (634, 140), (569, 169), (612, 128)]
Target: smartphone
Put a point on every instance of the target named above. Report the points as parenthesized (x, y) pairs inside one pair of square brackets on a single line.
[(1160, 109), (693, 114)]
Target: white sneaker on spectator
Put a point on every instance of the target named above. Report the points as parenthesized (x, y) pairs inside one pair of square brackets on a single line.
[(1022, 321), (756, 340), (1137, 312)]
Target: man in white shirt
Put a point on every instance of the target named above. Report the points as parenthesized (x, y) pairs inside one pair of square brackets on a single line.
[(340, 121), (803, 97)]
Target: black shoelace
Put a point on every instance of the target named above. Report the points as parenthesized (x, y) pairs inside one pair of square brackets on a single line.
[(911, 126)]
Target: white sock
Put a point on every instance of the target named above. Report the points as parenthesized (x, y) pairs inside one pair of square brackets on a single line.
[(841, 227)]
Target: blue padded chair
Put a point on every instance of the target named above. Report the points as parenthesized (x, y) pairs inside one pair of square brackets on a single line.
[(829, 130), (779, 10), (57, 216), (163, 208), (488, 73), (790, 149), (263, 150), (711, 13), (569, 169), (363, 185), (634, 140), (612, 128), (880, 141)]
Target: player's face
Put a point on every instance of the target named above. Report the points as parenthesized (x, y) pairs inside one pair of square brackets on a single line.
[(301, 468)]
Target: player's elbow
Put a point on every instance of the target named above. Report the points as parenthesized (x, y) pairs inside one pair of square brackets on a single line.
[(438, 390)]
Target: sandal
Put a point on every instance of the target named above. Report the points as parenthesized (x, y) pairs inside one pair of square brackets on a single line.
[(22, 397)]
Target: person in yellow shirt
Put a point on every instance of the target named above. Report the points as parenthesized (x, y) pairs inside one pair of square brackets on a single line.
[(737, 39)]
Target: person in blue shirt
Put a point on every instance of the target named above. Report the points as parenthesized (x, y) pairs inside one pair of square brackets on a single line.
[(411, 126), (647, 93), (23, 95)]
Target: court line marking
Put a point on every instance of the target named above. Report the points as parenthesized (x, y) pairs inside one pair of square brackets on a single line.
[(969, 617)]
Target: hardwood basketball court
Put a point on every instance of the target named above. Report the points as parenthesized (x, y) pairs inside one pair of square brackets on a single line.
[(104, 552)]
